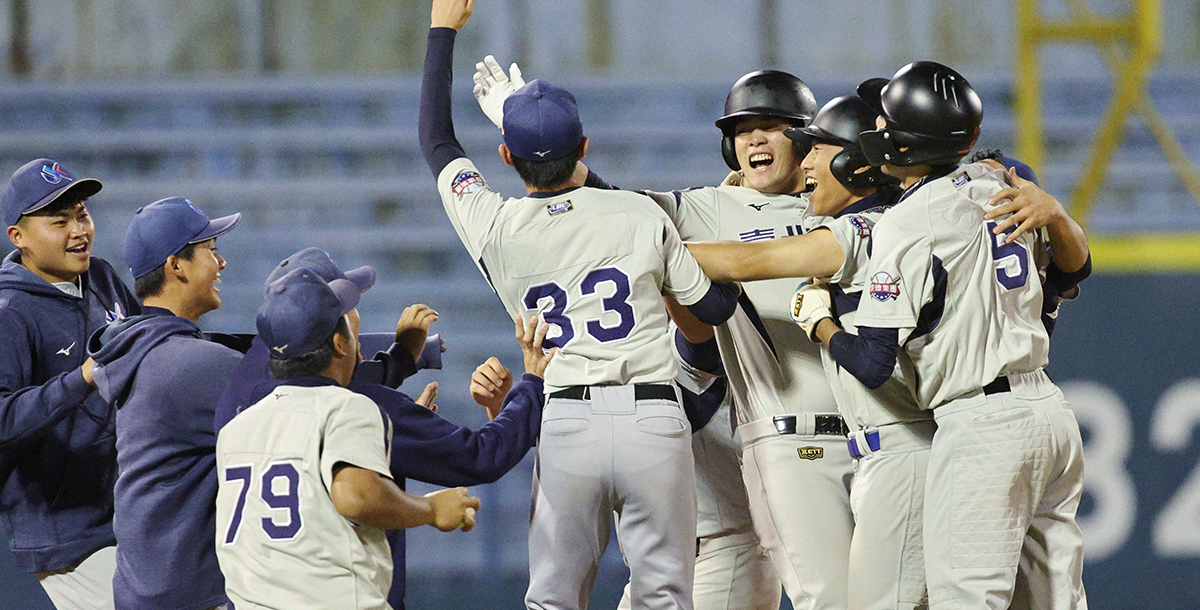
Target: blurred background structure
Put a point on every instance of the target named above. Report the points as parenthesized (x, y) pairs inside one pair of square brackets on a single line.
[(301, 114)]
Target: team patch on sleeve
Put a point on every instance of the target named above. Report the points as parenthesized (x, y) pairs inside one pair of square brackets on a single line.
[(961, 179), (884, 287), (559, 207), (467, 182), (862, 225)]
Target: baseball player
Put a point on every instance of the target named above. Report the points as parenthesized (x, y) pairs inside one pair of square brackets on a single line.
[(157, 370), (305, 489), (57, 447), (594, 264), (952, 295), (792, 437), (424, 446)]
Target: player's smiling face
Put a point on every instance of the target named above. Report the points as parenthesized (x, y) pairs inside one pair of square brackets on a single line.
[(828, 196), (766, 156), (204, 273), (56, 246)]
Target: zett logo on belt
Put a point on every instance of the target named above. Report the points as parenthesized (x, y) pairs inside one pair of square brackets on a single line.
[(811, 453)]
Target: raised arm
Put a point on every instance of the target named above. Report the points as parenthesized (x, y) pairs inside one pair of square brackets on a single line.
[(813, 254), (1027, 208), (435, 127)]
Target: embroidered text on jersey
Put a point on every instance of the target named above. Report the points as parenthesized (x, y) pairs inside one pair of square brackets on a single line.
[(559, 207), (467, 182), (884, 287), (757, 234)]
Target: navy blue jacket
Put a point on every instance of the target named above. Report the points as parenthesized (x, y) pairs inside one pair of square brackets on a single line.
[(57, 445), (425, 446), (164, 377)]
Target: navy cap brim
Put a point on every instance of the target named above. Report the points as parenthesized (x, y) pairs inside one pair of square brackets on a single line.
[(871, 92), (217, 227), (363, 277), (85, 188), (347, 294)]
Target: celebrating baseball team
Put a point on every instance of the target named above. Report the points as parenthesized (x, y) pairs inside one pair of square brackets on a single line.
[(822, 378)]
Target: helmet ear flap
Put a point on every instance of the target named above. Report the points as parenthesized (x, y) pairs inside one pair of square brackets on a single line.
[(729, 153), (845, 166)]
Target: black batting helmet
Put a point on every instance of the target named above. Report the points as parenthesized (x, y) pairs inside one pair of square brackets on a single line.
[(840, 122), (931, 111), (765, 93)]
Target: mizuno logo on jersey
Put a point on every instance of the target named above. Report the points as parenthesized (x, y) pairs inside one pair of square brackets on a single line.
[(863, 225), (115, 314), (811, 453), (466, 183), (66, 351), (758, 206), (559, 207), (757, 235), (884, 287)]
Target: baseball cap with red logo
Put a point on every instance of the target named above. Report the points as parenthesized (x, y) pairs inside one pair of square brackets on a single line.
[(38, 184)]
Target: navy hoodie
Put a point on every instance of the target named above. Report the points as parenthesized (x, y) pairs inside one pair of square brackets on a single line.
[(425, 446), (164, 377), (57, 447)]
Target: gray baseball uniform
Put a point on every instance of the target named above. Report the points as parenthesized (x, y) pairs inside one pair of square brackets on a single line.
[(794, 460), (280, 541), (1006, 460), (889, 438), (595, 264)]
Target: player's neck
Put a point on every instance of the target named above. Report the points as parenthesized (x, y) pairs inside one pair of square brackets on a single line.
[(572, 183)]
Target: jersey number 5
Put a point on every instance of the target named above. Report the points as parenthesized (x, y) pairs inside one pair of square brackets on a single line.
[(1007, 256), (617, 302), (286, 475)]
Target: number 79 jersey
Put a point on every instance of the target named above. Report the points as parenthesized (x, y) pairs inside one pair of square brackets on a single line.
[(280, 541), (967, 305), (593, 262)]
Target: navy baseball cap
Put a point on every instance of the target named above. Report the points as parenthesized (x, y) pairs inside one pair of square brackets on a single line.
[(541, 122), (1023, 170), (301, 310), (38, 184), (164, 228), (319, 261)]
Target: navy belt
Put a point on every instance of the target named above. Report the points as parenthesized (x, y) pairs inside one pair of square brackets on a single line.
[(872, 442), (641, 391), (823, 424), (998, 385)]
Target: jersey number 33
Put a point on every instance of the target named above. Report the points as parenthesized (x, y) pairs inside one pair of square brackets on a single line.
[(617, 302)]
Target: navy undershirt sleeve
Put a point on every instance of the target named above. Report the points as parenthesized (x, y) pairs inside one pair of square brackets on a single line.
[(1064, 281), (718, 304), (435, 127), (702, 356), (870, 355), (595, 181)]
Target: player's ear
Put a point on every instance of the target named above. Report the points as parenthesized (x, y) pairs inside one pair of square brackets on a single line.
[(583, 146), (506, 155), (343, 344), (14, 235), (173, 268)]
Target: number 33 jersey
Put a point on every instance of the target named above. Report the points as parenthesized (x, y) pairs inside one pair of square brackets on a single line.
[(966, 304), (280, 541), (593, 263)]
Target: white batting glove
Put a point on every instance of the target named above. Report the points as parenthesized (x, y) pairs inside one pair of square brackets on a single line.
[(493, 86), (810, 305)]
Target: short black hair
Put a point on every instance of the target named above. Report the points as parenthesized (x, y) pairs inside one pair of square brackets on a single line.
[(152, 283), (985, 153), (549, 174), (311, 363)]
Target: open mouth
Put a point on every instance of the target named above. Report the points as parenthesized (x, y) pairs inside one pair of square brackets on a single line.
[(79, 249), (810, 183), (758, 160)]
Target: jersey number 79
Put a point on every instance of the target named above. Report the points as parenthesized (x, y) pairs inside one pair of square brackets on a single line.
[(617, 302), (279, 474)]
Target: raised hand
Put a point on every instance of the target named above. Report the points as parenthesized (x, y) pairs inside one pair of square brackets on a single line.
[(531, 335), (413, 328), (490, 383), (451, 14), (493, 86)]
